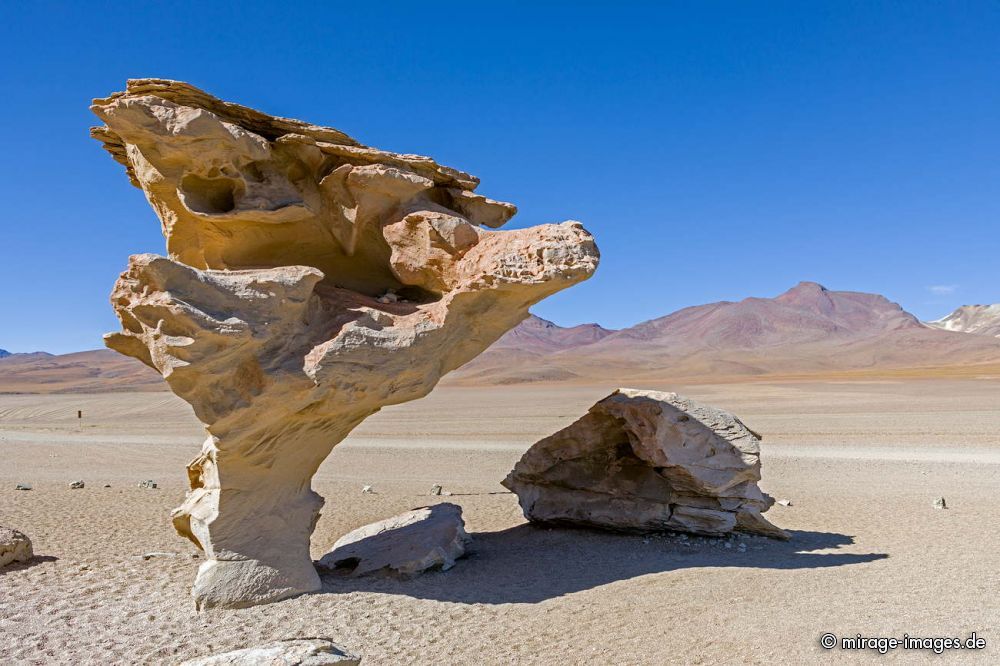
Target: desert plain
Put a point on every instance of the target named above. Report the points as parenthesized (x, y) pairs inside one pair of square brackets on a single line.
[(860, 460)]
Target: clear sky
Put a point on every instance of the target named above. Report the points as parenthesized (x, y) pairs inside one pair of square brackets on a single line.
[(716, 150)]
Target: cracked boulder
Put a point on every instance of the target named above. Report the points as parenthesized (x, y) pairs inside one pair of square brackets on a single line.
[(647, 461), (14, 547)]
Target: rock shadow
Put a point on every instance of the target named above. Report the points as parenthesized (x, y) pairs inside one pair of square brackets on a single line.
[(21, 566), (529, 564)]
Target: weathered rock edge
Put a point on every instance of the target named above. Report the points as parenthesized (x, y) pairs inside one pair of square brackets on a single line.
[(646, 461), (310, 282)]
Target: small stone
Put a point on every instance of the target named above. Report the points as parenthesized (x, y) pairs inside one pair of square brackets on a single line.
[(23, 486), (388, 297), (939, 503), (728, 545), (76, 485), (149, 484), (435, 489), (368, 490), (156, 553), (107, 485), (784, 502)]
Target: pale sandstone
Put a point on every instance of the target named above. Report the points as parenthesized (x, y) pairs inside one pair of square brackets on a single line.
[(14, 547), (271, 316), (430, 537), (647, 461)]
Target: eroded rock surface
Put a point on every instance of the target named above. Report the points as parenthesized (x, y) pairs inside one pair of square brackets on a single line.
[(14, 547), (647, 461), (431, 537), (270, 315), (292, 652)]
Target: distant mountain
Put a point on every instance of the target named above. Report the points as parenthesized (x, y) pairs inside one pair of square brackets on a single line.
[(4, 353), (978, 319), (99, 370), (540, 335), (806, 330)]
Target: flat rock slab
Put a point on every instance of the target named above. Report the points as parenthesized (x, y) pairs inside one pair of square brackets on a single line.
[(430, 537), (294, 652), (14, 547), (646, 461)]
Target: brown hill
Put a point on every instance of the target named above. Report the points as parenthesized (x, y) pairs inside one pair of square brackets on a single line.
[(806, 330), (98, 370)]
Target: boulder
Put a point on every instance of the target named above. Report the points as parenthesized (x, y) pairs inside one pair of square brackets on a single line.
[(271, 315), (290, 652), (645, 461), (430, 537), (14, 547)]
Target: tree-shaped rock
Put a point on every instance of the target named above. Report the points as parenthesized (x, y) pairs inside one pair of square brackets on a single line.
[(310, 282)]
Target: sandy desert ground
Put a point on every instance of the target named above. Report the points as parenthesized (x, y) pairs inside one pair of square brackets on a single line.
[(861, 461)]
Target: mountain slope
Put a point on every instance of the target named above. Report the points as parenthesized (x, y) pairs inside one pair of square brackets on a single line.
[(98, 370), (978, 319), (4, 353), (806, 330)]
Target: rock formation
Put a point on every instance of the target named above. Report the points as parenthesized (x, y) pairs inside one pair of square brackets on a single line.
[(431, 537), (643, 461), (291, 652), (272, 315), (14, 547)]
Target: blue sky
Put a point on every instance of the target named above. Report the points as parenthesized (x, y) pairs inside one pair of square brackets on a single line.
[(717, 150)]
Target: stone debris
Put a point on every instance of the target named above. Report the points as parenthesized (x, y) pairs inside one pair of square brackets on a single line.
[(289, 652), (23, 486), (784, 502), (939, 503), (76, 485), (407, 544), (157, 553), (273, 314), (643, 461), (368, 490), (149, 484), (436, 489), (14, 547)]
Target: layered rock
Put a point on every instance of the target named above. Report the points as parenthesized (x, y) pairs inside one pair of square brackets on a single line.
[(643, 461), (430, 537), (272, 315)]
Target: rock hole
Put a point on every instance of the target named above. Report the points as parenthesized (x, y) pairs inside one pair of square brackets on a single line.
[(212, 196), (347, 564)]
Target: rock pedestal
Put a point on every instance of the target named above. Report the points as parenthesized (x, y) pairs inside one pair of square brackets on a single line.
[(272, 314), (646, 461)]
